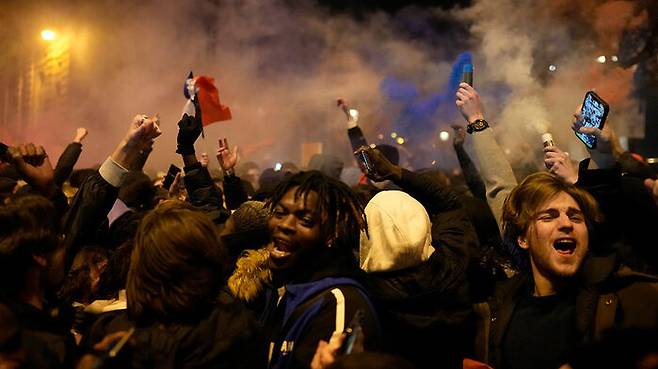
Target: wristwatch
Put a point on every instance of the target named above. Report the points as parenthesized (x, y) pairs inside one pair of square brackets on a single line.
[(477, 126)]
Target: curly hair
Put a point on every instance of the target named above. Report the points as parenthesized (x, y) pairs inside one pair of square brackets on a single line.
[(343, 207)]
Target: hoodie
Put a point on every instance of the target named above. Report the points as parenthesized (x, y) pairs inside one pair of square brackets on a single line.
[(400, 233), (416, 259)]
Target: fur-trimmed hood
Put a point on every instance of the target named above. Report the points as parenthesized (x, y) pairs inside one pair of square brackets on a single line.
[(252, 273)]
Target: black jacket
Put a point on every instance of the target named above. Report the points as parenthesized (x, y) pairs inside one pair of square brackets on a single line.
[(88, 210), (45, 334), (228, 337), (66, 162), (324, 308), (608, 295), (203, 194), (630, 216), (425, 311)]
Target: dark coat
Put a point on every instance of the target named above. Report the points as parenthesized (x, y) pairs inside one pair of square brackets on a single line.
[(203, 194), (228, 337), (311, 309), (426, 310), (609, 295)]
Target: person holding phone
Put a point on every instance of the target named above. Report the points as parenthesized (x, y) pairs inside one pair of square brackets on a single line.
[(420, 241), (316, 287), (552, 226)]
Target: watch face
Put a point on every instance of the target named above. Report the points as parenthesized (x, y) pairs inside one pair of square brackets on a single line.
[(478, 125)]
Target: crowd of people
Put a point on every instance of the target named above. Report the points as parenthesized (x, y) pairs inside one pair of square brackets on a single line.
[(289, 268)]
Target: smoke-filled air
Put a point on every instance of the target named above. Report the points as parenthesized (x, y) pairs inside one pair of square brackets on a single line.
[(281, 65)]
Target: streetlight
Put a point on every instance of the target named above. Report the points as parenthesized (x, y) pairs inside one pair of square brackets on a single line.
[(48, 35)]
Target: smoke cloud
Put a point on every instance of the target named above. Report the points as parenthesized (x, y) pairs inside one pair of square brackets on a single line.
[(280, 66)]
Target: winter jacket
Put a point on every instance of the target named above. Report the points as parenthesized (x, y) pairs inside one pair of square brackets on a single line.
[(90, 207), (425, 310), (203, 194), (45, 334), (322, 300), (608, 295), (235, 192), (228, 337)]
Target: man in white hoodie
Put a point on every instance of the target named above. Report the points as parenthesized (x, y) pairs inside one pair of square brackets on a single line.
[(416, 257)]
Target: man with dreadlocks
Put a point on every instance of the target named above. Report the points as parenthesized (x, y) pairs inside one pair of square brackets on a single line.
[(315, 223)]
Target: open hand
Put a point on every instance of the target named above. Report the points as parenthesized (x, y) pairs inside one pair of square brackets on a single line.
[(227, 159)]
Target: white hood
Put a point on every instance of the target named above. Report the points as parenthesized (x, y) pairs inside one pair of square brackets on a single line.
[(400, 233)]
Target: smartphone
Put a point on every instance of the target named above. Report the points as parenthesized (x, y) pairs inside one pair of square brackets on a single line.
[(171, 175), (353, 330), (593, 114), (364, 161), (467, 74)]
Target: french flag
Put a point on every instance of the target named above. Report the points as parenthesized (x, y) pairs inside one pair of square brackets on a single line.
[(203, 87)]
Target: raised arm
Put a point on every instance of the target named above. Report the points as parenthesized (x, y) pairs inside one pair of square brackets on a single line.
[(98, 193), (69, 157), (202, 192), (495, 170), (357, 139), (451, 227), (469, 170), (234, 192)]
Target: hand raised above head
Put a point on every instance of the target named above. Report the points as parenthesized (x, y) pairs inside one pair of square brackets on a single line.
[(468, 103), (460, 135), (80, 134), (382, 168), (189, 130), (33, 164), (227, 159), (142, 131), (351, 114)]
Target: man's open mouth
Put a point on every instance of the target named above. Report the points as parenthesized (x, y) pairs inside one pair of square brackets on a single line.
[(280, 249), (565, 246)]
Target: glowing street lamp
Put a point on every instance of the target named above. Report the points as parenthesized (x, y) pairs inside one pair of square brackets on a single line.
[(48, 35)]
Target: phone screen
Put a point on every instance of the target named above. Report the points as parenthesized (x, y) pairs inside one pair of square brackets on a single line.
[(171, 175), (593, 114), (364, 161), (352, 332)]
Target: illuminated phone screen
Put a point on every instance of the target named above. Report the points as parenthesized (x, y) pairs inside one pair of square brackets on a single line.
[(593, 115)]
